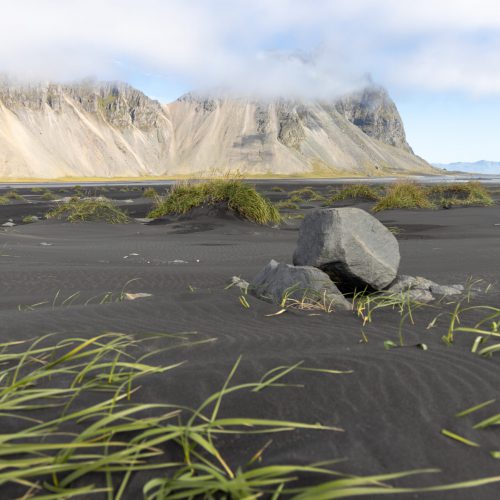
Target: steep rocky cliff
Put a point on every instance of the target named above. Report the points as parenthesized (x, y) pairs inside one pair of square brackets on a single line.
[(374, 112), (112, 129), (359, 134), (81, 130)]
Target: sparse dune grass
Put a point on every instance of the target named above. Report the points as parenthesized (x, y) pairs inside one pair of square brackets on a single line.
[(241, 198), (296, 198), (294, 216), (93, 436), (4, 200), (404, 195), (28, 219), (13, 195), (150, 193), (355, 191), (411, 195), (306, 193), (288, 204), (460, 194), (48, 196), (78, 210)]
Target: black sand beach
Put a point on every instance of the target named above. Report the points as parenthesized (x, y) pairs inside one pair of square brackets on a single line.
[(392, 407)]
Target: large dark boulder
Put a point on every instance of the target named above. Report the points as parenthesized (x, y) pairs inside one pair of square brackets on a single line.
[(302, 283), (351, 246)]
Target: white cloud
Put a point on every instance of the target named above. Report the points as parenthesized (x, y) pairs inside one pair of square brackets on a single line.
[(436, 44)]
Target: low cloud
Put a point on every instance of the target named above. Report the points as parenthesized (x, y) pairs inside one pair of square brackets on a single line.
[(286, 47)]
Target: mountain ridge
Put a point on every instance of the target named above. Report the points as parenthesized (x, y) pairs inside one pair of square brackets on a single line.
[(477, 167), (111, 129)]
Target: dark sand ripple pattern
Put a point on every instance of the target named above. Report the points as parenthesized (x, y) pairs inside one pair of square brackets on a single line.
[(392, 407)]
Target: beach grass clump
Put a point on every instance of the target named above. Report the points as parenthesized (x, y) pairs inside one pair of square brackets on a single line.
[(305, 194), (150, 193), (28, 219), (355, 191), (13, 195), (404, 194), (307, 300), (37, 190), (91, 209), (296, 198), (241, 198), (277, 189), (287, 204), (4, 200), (471, 193), (48, 196)]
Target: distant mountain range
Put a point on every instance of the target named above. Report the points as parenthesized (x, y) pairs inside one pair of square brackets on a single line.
[(478, 167), (113, 130)]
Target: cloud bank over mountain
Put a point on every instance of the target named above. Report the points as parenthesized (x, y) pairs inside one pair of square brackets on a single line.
[(285, 47)]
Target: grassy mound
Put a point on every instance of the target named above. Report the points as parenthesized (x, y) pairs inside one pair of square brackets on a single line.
[(460, 194), (288, 204), (410, 195), (48, 196), (404, 195), (305, 194), (13, 195), (355, 191), (150, 193), (29, 219), (241, 198), (78, 210)]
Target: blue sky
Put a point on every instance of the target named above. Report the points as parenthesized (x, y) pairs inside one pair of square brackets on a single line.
[(449, 127), (438, 58)]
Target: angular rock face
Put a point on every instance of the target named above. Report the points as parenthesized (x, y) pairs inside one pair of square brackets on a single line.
[(374, 112), (108, 129), (287, 136), (351, 246), (118, 103), (279, 280), (85, 130)]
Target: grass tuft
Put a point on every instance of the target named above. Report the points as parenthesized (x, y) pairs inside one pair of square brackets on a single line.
[(28, 219), (77, 210), (287, 204), (304, 194), (150, 193), (13, 195), (403, 195), (355, 191), (4, 200), (460, 194), (241, 198), (48, 196)]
